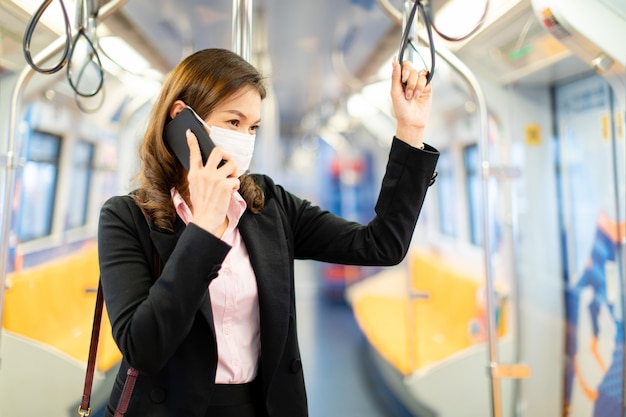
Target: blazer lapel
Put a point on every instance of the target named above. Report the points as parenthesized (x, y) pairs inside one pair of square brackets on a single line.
[(267, 247)]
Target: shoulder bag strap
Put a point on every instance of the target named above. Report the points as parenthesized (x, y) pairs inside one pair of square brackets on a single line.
[(83, 408), (131, 376)]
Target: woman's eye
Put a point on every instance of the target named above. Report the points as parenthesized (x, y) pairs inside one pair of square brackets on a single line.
[(254, 128), (234, 122)]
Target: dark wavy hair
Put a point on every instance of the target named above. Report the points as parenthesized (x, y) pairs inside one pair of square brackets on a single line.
[(201, 80)]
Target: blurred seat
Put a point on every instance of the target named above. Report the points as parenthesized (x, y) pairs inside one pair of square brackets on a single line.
[(446, 317), (53, 303)]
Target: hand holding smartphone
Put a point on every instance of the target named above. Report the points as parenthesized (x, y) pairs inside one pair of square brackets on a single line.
[(175, 136)]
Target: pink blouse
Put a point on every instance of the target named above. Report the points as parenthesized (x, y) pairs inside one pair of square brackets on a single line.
[(234, 300)]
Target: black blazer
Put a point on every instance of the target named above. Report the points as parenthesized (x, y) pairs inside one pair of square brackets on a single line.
[(164, 328)]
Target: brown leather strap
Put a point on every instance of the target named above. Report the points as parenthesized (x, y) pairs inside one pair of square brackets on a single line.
[(84, 409), (129, 384), (131, 375)]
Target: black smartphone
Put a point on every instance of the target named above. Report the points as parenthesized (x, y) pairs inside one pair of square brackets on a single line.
[(176, 140)]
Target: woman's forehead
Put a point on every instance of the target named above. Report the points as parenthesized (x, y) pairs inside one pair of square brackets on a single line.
[(246, 103)]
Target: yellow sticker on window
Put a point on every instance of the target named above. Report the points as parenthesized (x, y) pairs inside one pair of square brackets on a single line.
[(533, 134)]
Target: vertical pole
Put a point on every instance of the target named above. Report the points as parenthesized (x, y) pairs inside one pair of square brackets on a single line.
[(13, 147), (411, 320), (483, 145), (406, 12), (242, 28)]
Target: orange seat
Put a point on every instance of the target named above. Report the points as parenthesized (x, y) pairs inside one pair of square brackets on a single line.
[(413, 334), (53, 303)]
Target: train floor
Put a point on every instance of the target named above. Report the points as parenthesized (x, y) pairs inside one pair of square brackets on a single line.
[(338, 377)]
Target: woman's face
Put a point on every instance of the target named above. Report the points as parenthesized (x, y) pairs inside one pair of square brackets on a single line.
[(240, 112)]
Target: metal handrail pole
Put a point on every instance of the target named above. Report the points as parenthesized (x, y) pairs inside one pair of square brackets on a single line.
[(411, 313), (11, 164), (471, 80), (242, 28)]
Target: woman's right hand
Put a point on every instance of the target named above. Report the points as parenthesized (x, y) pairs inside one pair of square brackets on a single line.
[(210, 187), (411, 102)]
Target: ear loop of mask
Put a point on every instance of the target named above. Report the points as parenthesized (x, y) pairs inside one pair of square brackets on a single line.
[(200, 119)]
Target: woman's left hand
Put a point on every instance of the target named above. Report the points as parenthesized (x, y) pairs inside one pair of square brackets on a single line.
[(411, 102)]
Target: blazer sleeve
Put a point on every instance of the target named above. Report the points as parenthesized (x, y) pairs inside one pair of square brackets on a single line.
[(321, 235), (151, 318)]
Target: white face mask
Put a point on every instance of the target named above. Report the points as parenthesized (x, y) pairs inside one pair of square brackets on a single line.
[(239, 145)]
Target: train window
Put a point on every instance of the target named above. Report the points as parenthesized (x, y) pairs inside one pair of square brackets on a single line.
[(38, 185), (473, 185), (446, 193), (82, 169)]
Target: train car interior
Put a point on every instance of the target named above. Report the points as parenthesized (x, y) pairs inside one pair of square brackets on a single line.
[(511, 299)]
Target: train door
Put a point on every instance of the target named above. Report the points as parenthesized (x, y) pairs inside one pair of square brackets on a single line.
[(590, 166)]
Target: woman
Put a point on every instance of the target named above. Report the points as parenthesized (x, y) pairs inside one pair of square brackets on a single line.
[(232, 350)]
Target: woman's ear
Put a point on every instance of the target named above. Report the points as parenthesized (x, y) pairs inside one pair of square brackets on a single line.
[(176, 108)]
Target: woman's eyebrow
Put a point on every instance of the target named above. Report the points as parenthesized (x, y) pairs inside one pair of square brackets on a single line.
[(240, 114)]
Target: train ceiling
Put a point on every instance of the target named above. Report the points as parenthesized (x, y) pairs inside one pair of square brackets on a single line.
[(291, 42), (313, 52)]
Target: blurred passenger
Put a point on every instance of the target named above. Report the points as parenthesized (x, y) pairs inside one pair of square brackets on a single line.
[(211, 325)]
